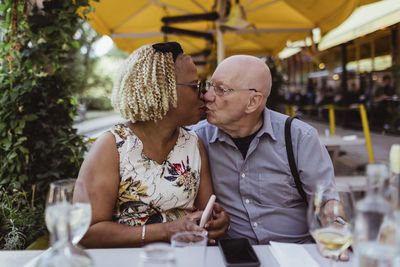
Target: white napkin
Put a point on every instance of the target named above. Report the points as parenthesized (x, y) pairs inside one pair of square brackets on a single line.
[(34, 261), (289, 255)]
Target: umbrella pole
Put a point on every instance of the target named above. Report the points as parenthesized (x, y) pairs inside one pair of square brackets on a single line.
[(220, 45), (220, 34)]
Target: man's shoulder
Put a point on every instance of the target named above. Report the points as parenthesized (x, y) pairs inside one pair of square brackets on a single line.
[(298, 126), (204, 129), (302, 126)]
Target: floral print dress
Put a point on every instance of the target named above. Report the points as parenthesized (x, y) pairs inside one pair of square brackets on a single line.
[(150, 192)]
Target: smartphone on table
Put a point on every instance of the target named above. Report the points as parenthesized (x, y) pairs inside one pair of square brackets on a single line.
[(237, 252)]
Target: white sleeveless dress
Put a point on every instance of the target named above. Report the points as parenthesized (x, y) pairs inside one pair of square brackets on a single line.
[(150, 192)]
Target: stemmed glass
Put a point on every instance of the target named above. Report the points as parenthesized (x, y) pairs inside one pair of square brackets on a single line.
[(376, 242), (67, 215), (72, 192), (330, 217)]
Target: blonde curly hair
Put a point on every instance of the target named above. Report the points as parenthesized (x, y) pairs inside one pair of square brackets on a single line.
[(145, 85)]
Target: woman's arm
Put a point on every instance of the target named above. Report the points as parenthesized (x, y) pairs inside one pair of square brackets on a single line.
[(100, 173), (220, 223)]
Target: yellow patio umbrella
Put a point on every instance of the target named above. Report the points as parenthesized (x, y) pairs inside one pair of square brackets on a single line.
[(268, 24)]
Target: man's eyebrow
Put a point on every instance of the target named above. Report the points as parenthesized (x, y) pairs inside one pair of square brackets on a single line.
[(222, 84)]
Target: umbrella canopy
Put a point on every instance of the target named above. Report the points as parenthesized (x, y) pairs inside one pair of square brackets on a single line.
[(380, 15), (268, 24)]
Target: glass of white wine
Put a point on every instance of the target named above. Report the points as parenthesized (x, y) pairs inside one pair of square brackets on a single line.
[(330, 217), (68, 194), (67, 215)]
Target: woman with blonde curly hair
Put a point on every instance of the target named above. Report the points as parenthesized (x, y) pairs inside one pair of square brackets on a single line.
[(146, 176)]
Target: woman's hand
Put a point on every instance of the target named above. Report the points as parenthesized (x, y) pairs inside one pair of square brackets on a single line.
[(185, 223)]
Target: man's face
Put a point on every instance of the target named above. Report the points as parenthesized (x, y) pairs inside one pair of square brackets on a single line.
[(223, 110)]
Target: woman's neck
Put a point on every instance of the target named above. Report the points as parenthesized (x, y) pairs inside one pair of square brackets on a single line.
[(161, 131)]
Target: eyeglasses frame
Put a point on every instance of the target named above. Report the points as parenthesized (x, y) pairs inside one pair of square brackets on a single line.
[(210, 84), (199, 86)]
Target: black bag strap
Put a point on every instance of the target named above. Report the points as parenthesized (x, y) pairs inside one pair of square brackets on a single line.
[(290, 155)]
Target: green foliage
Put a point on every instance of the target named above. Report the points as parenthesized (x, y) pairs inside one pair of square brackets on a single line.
[(97, 103), (37, 142), (14, 226)]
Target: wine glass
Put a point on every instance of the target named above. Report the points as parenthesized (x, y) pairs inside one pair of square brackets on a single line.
[(67, 216), (376, 242), (68, 194), (330, 219)]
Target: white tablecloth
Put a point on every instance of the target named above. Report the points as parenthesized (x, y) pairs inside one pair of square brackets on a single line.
[(129, 257), (337, 141)]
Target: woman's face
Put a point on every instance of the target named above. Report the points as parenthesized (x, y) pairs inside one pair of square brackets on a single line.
[(190, 107)]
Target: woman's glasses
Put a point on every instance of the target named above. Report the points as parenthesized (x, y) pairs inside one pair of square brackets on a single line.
[(195, 86)]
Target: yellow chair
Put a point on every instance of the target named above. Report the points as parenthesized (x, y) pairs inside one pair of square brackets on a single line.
[(41, 243)]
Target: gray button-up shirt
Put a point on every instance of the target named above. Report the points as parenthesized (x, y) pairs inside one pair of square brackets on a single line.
[(259, 192)]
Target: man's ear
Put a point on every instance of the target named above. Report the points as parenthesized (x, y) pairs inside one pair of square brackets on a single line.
[(254, 102)]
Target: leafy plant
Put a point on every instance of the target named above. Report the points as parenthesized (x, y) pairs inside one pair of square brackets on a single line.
[(37, 142), (97, 103)]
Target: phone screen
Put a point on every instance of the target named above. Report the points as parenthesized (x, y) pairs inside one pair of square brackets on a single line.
[(238, 251)]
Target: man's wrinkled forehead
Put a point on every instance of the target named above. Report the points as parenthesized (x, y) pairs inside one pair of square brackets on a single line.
[(244, 71), (228, 72), (238, 69)]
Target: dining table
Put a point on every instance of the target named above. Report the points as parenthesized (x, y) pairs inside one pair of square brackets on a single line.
[(333, 143), (213, 258)]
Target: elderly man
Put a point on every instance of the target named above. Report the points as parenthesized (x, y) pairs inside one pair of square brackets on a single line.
[(248, 158)]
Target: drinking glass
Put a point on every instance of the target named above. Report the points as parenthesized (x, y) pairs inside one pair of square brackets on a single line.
[(375, 239), (67, 216), (157, 255), (62, 193), (189, 248), (330, 219)]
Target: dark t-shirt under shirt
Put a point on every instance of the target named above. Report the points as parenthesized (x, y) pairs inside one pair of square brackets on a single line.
[(243, 143)]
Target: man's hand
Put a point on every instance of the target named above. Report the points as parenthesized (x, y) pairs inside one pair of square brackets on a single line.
[(219, 225)]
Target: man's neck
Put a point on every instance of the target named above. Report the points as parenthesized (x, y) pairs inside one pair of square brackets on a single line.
[(244, 127)]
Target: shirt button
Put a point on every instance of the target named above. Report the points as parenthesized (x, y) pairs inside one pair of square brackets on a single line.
[(255, 224), (243, 175), (247, 201)]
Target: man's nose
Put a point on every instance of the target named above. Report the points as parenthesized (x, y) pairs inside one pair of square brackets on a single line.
[(208, 96)]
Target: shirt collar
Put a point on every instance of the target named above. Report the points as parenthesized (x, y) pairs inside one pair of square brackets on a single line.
[(267, 125), (220, 135), (266, 128)]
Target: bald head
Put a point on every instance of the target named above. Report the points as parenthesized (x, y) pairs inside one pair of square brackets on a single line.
[(246, 72)]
